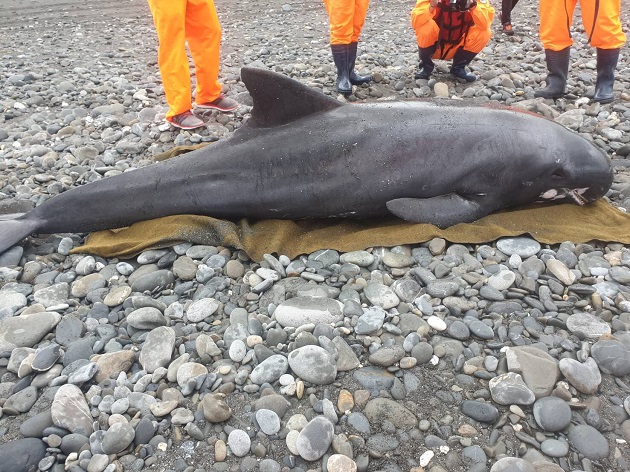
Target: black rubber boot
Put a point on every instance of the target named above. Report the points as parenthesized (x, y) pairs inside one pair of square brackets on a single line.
[(426, 62), (461, 59), (606, 64), (341, 57), (558, 67), (356, 79)]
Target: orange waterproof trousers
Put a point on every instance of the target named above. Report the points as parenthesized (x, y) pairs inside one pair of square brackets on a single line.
[(600, 18), (424, 23), (346, 19), (195, 22)]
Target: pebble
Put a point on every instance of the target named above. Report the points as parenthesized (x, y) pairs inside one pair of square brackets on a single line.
[(70, 410), (523, 247), (539, 370), (239, 442), (370, 321), (269, 370), (12, 300), (502, 280), (268, 420), (612, 357), (381, 295), (554, 447), (552, 414), (512, 464), (587, 325), (21, 455), (26, 331), (341, 463), (202, 309), (509, 388), (117, 438), (380, 409), (480, 411), (220, 451), (45, 358), (313, 364), (315, 438), (157, 349), (589, 442), (561, 271), (585, 377), (436, 323)]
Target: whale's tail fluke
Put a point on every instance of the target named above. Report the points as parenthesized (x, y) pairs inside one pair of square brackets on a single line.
[(13, 228)]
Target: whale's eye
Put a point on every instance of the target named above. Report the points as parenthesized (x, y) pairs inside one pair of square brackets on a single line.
[(558, 174)]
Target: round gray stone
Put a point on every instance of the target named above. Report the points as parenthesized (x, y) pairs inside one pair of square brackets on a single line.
[(612, 357), (512, 464), (299, 311), (589, 442), (585, 377), (314, 440), (480, 411), (270, 369), (239, 442), (554, 447), (552, 414), (510, 389), (313, 364), (524, 247), (587, 324), (268, 421), (117, 438), (21, 455)]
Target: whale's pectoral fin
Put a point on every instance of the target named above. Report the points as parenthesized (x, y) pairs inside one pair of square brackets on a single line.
[(442, 211)]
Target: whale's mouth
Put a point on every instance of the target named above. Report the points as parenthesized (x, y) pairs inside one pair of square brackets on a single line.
[(575, 195)]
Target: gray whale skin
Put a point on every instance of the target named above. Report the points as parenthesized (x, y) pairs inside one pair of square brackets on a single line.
[(303, 154)]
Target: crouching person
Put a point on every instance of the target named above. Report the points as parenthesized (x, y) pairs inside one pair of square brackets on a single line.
[(451, 29)]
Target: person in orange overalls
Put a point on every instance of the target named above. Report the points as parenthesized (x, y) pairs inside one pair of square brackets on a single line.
[(195, 22), (603, 28), (346, 19), (451, 29)]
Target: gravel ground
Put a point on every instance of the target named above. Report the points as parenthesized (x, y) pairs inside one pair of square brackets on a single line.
[(438, 357)]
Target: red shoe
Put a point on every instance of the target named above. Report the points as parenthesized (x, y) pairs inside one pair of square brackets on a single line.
[(186, 120), (223, 103), (507, 29)]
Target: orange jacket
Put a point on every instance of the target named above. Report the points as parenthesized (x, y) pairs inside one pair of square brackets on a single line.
[(482, 14), (425, 24)]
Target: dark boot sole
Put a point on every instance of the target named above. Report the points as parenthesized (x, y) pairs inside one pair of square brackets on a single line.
[(604, 100), (548, 95), (465, 79), (360, 82)]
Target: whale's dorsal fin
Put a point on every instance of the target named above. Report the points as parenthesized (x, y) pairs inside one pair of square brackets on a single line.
[(279, 99)]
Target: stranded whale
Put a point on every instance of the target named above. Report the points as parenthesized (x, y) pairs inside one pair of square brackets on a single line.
[(303, 154)]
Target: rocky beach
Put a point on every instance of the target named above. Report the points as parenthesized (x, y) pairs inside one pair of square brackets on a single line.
[(511, 356)]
